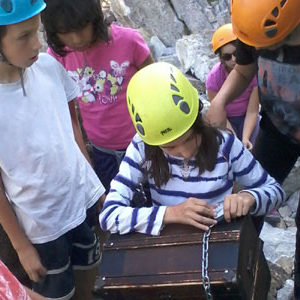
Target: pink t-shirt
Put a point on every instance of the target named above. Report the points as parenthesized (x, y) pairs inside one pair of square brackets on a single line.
[(214, 82), (109, 67), (10, 287)]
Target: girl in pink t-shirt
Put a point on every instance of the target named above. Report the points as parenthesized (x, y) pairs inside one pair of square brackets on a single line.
[(101, 59), (242, 113)]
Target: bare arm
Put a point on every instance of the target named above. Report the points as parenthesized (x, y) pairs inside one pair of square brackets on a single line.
[(237, 81), (28, 256), (77, 130), (211, 95), (251, 118)]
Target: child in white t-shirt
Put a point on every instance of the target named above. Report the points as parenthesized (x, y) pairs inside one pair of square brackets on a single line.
[(47, 186)]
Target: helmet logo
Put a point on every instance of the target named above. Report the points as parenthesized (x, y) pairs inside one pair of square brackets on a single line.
[(165, 131), (6, 5)]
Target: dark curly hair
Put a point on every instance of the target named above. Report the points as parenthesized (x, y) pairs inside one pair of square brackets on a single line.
[(63, 16)]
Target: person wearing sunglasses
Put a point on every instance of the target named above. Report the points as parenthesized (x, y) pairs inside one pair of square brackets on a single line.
[(242, 114)]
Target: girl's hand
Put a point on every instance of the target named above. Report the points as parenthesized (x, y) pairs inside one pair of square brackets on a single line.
[(237, 205), (193, 212), (248, 145), (31, 263)]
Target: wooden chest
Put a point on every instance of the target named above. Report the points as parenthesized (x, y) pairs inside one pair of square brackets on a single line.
[(137, 266)]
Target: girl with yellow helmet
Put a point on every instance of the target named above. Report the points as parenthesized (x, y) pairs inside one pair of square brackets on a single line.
[(268, 45), (190, 166), (242, 113)]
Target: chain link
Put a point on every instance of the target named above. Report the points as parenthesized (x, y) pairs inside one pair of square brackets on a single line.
[(205, 277)]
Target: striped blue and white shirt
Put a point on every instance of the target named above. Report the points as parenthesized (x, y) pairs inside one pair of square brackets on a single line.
[(234, 164)]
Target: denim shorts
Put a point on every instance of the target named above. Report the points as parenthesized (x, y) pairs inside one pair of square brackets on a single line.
[(78, 249)]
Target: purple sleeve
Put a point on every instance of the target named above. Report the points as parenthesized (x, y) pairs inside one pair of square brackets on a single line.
[(141, 50), (213, 79)]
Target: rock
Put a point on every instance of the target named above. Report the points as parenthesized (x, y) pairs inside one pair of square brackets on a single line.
[(279, 276), (157, 47), (292, 202), (156, 16), (195, 54), (286, 293), (292, 184), (278, 242)]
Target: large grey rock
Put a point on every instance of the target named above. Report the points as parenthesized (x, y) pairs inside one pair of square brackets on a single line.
[(155, 16), (286, 293), (195, 54), (202, 14)]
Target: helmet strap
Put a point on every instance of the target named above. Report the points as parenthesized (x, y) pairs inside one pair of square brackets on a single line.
[(20, 70)]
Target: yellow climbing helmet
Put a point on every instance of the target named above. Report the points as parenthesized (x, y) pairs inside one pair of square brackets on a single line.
[(162, 103), (222, 36)]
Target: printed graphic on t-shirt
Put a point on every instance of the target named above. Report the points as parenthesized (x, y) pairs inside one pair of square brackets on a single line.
[(102, 87), (279, 85)]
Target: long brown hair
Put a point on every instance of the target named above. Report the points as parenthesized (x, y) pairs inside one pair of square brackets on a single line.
[(206, 156)]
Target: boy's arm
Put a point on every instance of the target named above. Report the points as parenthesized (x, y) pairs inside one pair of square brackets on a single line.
[(211, 95), (28, 256), (77, 130)]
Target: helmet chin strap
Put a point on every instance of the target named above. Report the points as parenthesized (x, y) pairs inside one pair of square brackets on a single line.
[(20, 71)]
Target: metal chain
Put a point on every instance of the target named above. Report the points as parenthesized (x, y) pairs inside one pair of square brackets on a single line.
[(205, 278)]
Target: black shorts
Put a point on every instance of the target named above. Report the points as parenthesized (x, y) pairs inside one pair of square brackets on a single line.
[(78, 249)]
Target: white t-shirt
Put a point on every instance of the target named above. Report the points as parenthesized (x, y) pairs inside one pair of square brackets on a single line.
[(46, 177)]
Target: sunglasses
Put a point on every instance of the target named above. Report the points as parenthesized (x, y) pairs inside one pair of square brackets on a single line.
[(228, 56)]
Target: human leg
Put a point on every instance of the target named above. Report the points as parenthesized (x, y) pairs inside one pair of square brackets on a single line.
[(275, 153), (277, 156), (85, 258), (59, 280)]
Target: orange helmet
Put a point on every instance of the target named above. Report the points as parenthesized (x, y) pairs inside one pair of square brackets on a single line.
[(222, 36), (262, 23)]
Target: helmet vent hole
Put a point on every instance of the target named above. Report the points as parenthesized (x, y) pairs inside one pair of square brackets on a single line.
[(6, 5), (271, 32), (132, 109), (174, 88), (269, 23), (32, 1), (275, 12), (184, 107), (137, 118), (282, 3), (172, 78), (176, 99), (140, 129)]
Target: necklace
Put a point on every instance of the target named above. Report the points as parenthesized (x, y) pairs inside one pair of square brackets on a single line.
[(185, 169)]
